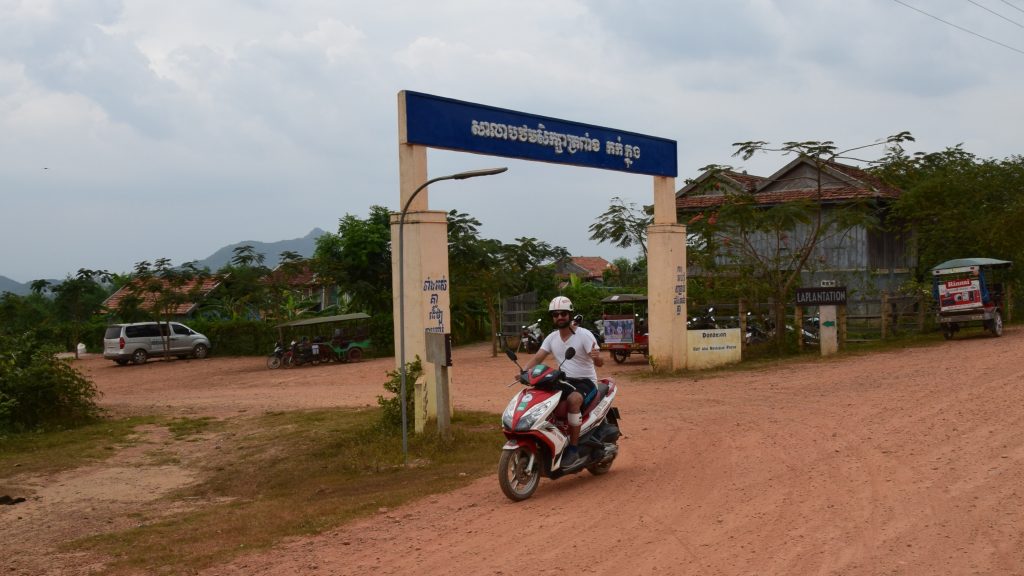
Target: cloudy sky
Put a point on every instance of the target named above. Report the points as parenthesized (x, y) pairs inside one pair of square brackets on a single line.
[(134, 130)]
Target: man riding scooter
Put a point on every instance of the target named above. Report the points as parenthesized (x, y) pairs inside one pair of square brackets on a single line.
[(580, 369)]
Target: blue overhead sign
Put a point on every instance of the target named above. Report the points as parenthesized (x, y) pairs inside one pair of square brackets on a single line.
[(456, 125)]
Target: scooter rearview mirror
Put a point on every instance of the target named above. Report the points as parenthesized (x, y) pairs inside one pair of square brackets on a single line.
[(511, 355), (569, 353)]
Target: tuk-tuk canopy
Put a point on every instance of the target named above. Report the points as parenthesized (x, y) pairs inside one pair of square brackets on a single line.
[(960, 263), (324, 320), (624, 298)]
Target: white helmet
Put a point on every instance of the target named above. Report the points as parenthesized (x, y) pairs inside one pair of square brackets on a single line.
[(560, 303)]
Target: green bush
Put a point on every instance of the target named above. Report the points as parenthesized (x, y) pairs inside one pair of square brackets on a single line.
[(257, 337), (39, 390), (237, 337), (391, 407)]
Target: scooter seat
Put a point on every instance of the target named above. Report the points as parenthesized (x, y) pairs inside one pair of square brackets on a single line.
[(600, 391), (589, 402)]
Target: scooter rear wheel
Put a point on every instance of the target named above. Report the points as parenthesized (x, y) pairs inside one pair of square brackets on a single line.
[(599, 469), (516, 481)]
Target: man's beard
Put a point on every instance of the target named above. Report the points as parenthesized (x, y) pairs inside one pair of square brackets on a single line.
[(561, 323)]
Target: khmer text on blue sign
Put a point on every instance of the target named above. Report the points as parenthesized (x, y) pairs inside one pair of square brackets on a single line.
[(456, 125)]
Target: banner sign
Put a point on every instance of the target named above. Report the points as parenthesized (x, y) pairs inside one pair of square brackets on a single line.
[(618, 330), (959, 294), (821, 296), (712, 347), (456, 125)]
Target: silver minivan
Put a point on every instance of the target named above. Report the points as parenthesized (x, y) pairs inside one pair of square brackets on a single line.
[(124, 343)]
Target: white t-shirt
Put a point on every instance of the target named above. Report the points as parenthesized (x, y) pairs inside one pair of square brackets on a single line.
[(579, 366)]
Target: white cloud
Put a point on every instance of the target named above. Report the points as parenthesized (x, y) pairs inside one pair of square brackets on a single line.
[(262, 120)]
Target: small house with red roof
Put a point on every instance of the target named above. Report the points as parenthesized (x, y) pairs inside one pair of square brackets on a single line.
[(586, 268), (192, 291)]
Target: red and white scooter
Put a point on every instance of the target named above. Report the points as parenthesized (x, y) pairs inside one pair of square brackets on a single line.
[(537, 430)]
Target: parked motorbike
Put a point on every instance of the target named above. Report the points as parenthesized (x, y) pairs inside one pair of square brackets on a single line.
[(531, 337), (756, 331), (276, 358), (596, 327), (599, 331), (811, 330), (704, 321), (535, 424), (303, 352)]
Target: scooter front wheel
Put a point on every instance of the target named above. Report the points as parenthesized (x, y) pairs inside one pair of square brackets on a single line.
[(273, 362), (517, 482)]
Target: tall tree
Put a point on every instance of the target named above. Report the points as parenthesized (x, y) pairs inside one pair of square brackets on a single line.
[(624, 225), (485, 270), (244, 291), (163, 288), (358, 260), (77, 299), (959, 205)]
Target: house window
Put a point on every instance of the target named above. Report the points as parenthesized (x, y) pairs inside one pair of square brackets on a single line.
[(887, 250)]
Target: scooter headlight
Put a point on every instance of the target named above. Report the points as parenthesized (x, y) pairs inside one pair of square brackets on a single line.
[(527, 420), (506, 417)]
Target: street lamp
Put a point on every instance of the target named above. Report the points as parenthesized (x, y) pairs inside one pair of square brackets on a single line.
[(401, 284)]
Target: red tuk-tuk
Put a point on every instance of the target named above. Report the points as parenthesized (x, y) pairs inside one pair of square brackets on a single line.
[(624, 325)]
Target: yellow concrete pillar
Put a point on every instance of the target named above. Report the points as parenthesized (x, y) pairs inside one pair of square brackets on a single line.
[(666, 281), (426, 294)]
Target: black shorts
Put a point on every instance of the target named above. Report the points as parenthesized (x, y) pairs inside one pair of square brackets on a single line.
[(585, 386)]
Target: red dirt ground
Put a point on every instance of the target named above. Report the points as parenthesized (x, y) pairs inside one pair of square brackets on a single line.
[(903, 462)]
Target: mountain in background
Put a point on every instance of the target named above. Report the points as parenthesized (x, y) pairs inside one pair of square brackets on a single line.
[(304, 247), (8, 285)]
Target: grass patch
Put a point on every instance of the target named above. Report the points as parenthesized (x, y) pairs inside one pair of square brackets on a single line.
[(52, 451), (182, 428), (299, 473), (764, 356)]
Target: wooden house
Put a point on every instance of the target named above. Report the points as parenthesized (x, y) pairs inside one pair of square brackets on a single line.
[(866, 260)]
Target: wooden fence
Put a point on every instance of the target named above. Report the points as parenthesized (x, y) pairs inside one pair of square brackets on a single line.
[(861, 321)]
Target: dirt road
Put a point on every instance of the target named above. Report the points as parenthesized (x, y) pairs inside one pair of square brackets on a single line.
[(908, 462)]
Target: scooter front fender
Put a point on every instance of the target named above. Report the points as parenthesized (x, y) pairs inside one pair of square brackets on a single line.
[(529, 446)]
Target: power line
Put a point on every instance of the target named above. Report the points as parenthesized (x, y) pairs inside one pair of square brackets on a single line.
[(996, 13), (1012, 6), (961, 28)]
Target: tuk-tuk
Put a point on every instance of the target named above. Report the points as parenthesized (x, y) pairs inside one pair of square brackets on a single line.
[(339, 338), (969, 290), (624, 325)]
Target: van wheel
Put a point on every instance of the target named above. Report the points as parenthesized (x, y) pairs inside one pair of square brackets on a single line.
[(620, 355), (139, 356), (200, 351)]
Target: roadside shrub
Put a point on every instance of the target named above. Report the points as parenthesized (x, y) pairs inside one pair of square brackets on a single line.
[(382, 331), (39, 390), (391, 407), (237, 337)]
